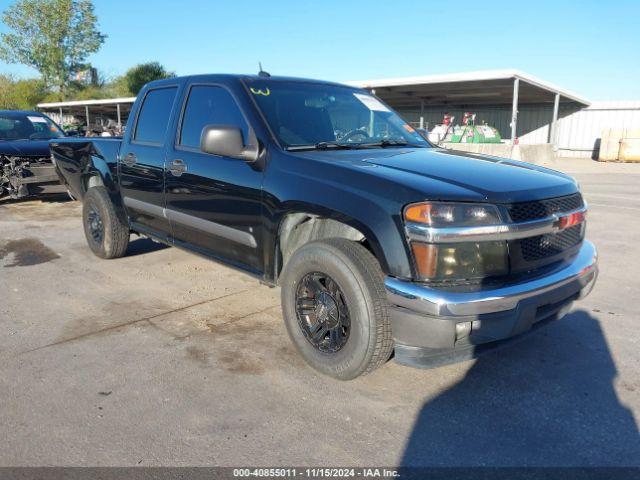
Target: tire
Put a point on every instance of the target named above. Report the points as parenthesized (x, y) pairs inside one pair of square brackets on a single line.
[(107, 235), (360, 301)]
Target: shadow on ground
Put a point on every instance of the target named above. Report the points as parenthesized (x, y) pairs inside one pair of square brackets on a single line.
[(140, 246), (546, 401)]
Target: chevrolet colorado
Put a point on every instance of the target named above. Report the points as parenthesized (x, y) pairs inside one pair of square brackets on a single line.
[(380, 241)]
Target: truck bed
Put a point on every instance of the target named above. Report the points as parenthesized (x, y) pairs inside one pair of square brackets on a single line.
[(79, 159)]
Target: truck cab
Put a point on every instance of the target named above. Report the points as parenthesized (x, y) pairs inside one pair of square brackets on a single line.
[(379, 240)]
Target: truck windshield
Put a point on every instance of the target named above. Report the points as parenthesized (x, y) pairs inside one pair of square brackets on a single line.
[(27, 126), (305, 115)]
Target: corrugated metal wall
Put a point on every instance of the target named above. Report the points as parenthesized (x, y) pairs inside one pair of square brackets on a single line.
[(533, 120), (578, 131)]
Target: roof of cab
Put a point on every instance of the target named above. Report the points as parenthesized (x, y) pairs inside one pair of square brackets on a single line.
[(227, 76)]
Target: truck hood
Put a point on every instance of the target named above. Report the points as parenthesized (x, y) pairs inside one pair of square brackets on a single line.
[(439, 173), (25, 148)]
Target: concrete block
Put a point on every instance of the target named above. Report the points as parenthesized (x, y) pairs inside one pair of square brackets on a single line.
[(629, 150), (610, 145), (540, 153), (620, 145)]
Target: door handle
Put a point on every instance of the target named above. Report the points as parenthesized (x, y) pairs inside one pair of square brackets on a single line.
[(130, 159), (178, 167)]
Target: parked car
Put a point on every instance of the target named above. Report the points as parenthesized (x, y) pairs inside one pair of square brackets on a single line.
[(25, 163), (379, 240)]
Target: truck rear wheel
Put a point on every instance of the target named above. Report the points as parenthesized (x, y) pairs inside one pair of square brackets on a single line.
[(335, 308), (107, 235)]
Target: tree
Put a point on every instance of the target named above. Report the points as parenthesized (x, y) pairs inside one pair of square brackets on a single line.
[(53, 36), (136, 77), (21, 94)]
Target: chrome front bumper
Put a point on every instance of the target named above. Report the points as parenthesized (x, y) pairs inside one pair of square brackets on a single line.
[(421, 299), (433, 327)]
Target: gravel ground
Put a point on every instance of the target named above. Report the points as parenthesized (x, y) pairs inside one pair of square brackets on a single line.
[(164, 358)]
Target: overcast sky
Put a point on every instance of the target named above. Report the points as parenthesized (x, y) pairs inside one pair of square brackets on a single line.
[(590, 47)]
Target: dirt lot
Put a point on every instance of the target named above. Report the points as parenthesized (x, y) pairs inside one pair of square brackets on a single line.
[(164, 358)]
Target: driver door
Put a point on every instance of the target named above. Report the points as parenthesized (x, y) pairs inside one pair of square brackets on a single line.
[(214, 203)]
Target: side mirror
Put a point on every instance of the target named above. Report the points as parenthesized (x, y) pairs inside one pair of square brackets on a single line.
[(226, 141)]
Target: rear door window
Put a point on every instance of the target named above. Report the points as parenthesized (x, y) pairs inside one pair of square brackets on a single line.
[(154, 116), (209, 105)]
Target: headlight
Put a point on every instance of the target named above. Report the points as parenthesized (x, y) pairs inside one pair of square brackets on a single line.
[(461, 260), (452, 214)]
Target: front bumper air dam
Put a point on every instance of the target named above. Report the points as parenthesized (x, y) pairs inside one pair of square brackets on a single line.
[(433, 327)]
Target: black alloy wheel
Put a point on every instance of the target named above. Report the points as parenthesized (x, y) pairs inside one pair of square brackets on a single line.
[(107, 233), (95, 225), (335, 307), (322, 312)]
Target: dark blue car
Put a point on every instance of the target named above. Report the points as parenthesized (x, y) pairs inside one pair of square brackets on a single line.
[(25, 162)]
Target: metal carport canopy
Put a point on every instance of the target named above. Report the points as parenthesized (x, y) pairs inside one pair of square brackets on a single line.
[(486, 87), (110, 106)]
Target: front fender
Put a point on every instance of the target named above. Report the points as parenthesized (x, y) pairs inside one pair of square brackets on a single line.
[(374, 215), (360, 224)]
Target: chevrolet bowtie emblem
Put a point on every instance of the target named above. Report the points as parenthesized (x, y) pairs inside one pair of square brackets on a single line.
[(571, 220)]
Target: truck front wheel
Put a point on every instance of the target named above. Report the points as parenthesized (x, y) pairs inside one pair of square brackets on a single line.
[(107, 235), (335, 308)]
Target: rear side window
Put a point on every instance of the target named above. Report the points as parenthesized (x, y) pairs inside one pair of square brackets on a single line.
[(154, 115), (209, 105)]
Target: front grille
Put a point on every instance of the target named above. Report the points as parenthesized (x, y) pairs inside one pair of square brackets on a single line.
[(551, 244), (525, 211)]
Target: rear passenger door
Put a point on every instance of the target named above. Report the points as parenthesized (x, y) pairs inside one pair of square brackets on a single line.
[(214, 202), (142, 159)]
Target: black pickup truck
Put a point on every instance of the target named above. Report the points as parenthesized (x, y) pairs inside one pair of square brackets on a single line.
[(379, 240), (25, 163)]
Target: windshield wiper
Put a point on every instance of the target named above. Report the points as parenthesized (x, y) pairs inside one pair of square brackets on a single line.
[(352, 146), (324, 146), (387, 143)]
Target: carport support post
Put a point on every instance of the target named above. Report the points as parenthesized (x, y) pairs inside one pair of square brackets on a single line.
[(60, 112), (86, 112), (514, 111), (119, 116), (554, 121), (421, 114)]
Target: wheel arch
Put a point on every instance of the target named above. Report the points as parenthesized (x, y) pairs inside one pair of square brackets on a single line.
[(100, 173), (303, 225)]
